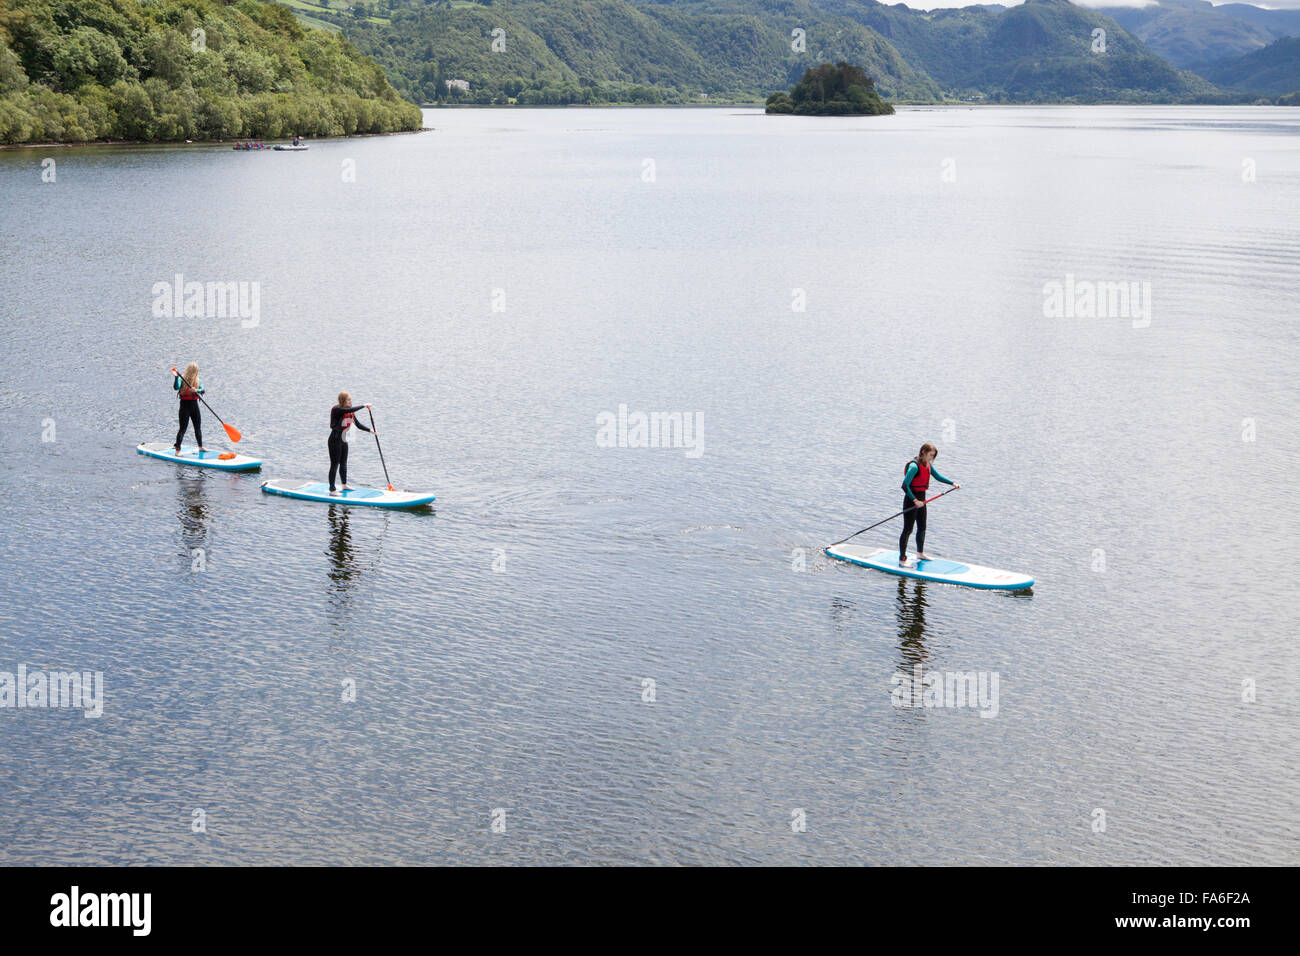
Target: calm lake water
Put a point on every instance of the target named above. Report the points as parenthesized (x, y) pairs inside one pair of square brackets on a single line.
[(821, 296)]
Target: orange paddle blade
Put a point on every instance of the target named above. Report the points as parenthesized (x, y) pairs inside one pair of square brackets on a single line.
[(391, 488), (232, 431)]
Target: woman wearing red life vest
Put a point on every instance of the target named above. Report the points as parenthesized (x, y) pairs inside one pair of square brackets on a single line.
[(916, 481), (341, 422)]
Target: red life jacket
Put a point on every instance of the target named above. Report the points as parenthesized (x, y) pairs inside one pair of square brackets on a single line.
[(344, 420), (921, 480), (187, 394)]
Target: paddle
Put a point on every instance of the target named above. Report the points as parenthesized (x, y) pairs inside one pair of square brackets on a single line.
[(375, 432), (890, 518), (231, 430)]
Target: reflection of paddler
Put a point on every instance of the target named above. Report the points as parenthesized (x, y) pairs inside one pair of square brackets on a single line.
[(193, 512), (911, 622), (342, 565)]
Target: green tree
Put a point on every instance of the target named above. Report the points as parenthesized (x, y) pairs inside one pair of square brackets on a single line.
[(74, 70), (134, 109), (86, 54), (780, 103), (12, 75)]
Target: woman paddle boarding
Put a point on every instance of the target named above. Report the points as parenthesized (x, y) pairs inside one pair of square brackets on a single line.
[(916, 481), (188, 389), (341, 422)]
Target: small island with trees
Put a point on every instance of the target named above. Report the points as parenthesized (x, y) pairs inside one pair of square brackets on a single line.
[(826, 90)]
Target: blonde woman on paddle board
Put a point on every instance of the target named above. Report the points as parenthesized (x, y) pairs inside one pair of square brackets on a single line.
[(188, 390), (916, 482)]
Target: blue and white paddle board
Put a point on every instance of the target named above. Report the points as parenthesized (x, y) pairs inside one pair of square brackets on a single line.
[(320, 491), (931, 569), (190, 455)]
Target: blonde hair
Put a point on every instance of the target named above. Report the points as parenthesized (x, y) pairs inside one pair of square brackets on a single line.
[(345, 399), (191, 375)]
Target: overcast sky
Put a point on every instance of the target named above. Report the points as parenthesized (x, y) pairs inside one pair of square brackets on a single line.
[(934, 4)]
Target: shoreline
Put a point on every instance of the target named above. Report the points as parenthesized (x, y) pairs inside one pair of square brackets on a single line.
[(760, 104), (620, 106), (205, 142)]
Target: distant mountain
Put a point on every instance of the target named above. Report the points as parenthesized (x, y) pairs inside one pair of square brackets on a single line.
[(1272, 71), (566, 51), (1187, 32), (751, 43), (1040, 51), (591, 51), (1280, 23)]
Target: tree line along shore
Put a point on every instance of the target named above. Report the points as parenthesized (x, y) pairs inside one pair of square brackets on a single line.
[(79, 71)]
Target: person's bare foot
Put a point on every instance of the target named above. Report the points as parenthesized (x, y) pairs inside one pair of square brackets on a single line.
[(922, 556), (902, 562)]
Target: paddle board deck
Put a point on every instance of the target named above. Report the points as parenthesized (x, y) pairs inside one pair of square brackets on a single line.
[(931, 569), (190, 455), (320, 491)]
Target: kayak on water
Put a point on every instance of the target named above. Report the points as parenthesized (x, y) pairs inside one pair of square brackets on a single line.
[(931, 569), (320, 491), (190, 455)]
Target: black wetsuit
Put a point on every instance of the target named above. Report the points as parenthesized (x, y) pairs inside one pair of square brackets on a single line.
[(337, 446), (914, 516), (189, 411)]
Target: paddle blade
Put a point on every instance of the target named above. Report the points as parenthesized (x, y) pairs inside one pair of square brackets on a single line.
[(232, 431), (391, 488)]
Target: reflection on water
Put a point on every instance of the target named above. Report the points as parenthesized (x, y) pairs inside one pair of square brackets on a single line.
[(195, 512), (911, 623), (343, 571), (348, 562)]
